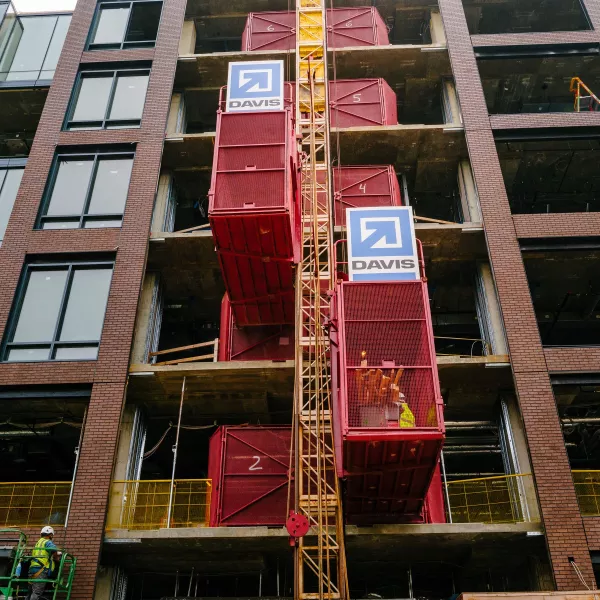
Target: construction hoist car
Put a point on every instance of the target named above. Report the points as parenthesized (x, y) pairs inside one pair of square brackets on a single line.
[(14, 567)]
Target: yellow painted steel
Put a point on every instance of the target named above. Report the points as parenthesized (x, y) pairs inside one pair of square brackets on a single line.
[(34, 503), (499, 499), (320, 564), (587, 488), (585, 99), (145, 504)]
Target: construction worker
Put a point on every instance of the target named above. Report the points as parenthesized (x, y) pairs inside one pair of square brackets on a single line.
[(407, 418), (42, 562)]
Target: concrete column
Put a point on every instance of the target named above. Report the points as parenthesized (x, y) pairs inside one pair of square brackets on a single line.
[(520, 459), (469, 198), (436, 27), (144, 320), (187, 42), (161, 217), (452, 114), (489, 313), (104, 583), (175, 121)]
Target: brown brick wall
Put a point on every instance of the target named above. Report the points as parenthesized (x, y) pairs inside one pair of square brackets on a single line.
[(538, 121), (565, 532), (557, 225), (572, 360), (592, 530), (129, 247)]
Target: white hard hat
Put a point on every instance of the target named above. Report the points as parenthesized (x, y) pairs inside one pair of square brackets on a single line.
[(47, 530)]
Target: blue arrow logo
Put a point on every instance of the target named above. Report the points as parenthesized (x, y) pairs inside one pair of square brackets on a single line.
[(255, 80), (383, 232)]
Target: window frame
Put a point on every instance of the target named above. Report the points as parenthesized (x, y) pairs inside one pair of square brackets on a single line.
[(71, 267), (84, 217), (124, 44), (11, 164), (106, 122)]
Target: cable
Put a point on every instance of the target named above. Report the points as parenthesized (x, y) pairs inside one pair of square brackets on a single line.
[(579, 573)]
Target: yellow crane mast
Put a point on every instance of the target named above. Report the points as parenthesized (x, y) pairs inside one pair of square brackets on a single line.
[(320, 564)]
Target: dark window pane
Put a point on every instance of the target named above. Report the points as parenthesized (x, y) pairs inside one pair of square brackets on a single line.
[(86, 305), (110, 187), (58, 39), (129, 97), (23, 354), (92, 98), (9, 186), (112, 23), (70, 187), (28, 60), (77, 353), (144, 22), (39, 313)]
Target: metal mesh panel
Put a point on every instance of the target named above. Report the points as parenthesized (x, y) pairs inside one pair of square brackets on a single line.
[(387, 341), (246, 129), (354, 27), (34, 504)]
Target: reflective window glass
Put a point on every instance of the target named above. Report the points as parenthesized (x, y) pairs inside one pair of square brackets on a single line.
[(60, 312), (55, 48), (111, 25), (70, 187), (41, 306), (92, 98), (110, 187), (86, 305), (10, 180), (130, 96), (30, 54)]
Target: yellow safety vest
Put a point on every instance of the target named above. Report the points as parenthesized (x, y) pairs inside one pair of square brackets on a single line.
[(407, 418), (40, 556)]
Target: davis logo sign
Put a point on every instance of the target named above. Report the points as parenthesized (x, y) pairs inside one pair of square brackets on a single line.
[(382, 244), (253, 86)]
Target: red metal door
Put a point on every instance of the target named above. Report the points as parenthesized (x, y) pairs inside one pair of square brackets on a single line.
[(250, 475)]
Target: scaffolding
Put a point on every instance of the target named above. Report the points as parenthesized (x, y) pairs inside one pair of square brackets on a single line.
[(585, 99), (320, 566)]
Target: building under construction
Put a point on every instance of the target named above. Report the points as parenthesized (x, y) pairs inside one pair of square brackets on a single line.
[(201, 393)]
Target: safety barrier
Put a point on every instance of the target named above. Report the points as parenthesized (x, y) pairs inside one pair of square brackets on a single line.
[(155, 504), (501, 499), (33, 504), (587, 488)]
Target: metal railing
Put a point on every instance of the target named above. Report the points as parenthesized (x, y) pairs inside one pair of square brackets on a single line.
[(145, 504), (34, 504), (501, 499), (587, 488)]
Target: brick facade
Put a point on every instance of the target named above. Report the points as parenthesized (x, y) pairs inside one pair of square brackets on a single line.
[(565, 532), (128, 245)]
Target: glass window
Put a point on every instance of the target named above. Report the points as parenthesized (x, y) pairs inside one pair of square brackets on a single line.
[(10, 180), (37, 50), (60, 312), (87, 191), (126, 24), (109, 99), (130, 95)]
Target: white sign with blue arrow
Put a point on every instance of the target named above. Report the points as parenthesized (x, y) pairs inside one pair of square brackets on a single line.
[(255, 86), (382, 244)]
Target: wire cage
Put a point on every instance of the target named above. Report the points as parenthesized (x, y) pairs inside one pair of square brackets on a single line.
[(387, 404), (347, 27), (259, 342), (254, 213)]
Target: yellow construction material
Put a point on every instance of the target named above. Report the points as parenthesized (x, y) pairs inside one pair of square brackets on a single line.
[(499, 499), (145, 504), (587, 488), (33, 504)]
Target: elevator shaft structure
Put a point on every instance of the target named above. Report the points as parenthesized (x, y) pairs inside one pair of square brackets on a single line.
[(320, 565)]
